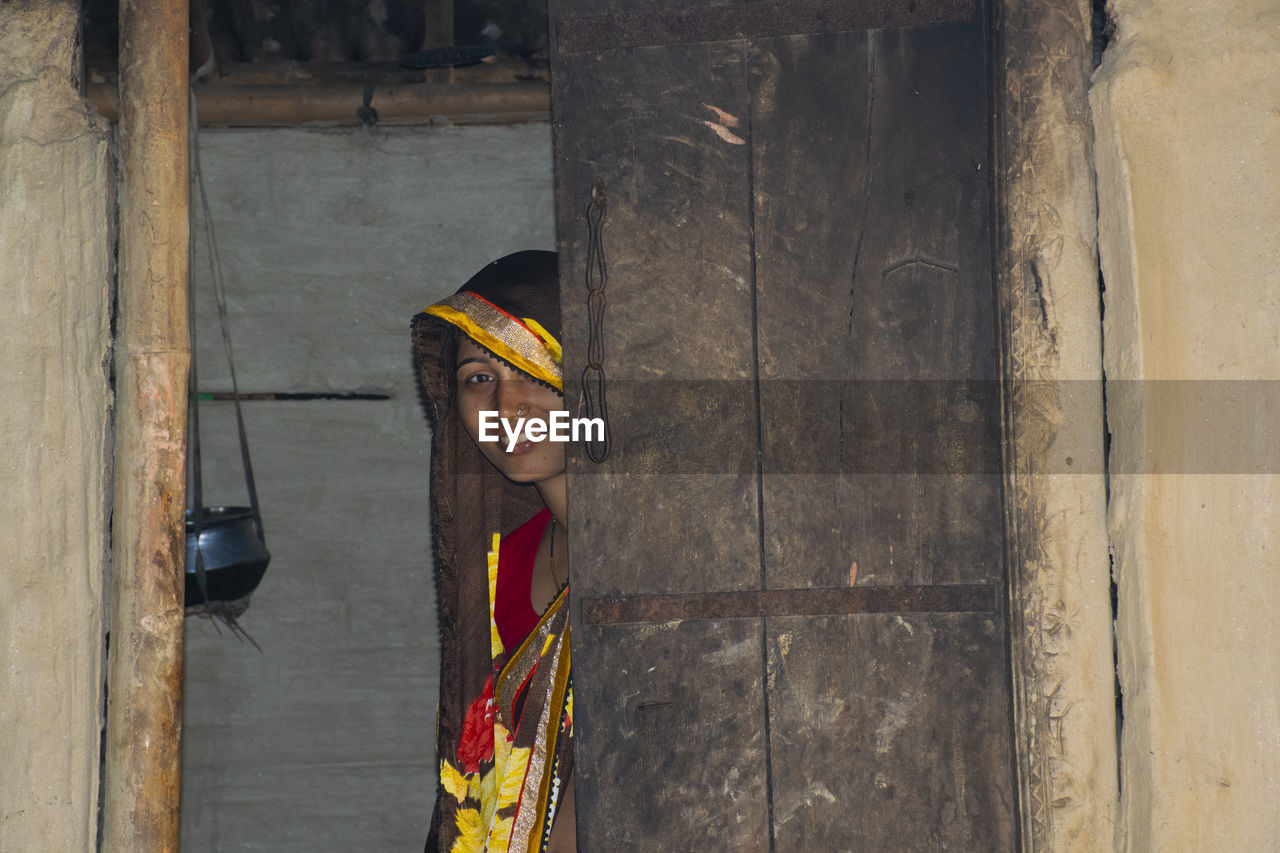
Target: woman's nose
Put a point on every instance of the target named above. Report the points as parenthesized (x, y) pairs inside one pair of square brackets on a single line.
[(512, 398)]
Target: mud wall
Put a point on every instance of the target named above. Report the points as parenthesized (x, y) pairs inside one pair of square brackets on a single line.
[(1187, 118), (56, 214)]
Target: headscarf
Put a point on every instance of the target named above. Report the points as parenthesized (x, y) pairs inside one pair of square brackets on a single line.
[(511, 308)]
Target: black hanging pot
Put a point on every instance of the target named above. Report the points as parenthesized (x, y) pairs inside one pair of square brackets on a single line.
[(226, 546), (234, 555)]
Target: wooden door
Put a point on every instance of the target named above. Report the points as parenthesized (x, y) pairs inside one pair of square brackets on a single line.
[(788, 576)]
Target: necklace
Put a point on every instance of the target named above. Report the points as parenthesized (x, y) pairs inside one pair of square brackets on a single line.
[(555, 580)]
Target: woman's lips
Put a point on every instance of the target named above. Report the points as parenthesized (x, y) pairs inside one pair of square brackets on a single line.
[(522, 447)]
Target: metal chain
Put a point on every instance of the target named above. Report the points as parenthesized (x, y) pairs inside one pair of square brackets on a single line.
[(593, 376)]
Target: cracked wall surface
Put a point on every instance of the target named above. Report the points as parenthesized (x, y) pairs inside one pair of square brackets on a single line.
[(1187, 117), (56, 214)]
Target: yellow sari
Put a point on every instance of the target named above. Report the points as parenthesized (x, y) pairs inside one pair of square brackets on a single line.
[(506, 780)]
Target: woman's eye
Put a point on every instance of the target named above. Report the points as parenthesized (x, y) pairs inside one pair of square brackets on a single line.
[(477, 378)]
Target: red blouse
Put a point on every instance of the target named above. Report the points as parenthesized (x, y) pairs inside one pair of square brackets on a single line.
[(512, 609)]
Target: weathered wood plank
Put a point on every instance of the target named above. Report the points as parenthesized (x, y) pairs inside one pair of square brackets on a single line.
[(888, 733), (655, 517), (818, 202), (873, 271), (677, 321), (671, 762), (877, 354), (945, 598), (621, 27), (1059, 550)]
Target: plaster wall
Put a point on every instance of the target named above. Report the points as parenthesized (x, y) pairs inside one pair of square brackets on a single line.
[(56, 220), (330, 241), (1187, 116)]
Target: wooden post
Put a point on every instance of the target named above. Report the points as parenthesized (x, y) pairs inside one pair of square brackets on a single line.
[(439, 31), (153, 352), (1055, 481)]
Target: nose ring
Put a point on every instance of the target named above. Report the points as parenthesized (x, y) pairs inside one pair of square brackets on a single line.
[(521, 409)]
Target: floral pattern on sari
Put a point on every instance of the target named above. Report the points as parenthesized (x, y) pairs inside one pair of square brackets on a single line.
[(504, 778)]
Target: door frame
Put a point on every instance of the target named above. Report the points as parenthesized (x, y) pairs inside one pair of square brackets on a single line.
[(1046, 259)]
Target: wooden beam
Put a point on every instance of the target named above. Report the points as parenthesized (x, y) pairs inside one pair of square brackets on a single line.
[(425, 103), (153, 352), (1056, 527), (754, 603), (439, 24), (439, 33)]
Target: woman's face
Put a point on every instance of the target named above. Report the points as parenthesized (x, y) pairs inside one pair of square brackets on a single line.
[(487, 384)]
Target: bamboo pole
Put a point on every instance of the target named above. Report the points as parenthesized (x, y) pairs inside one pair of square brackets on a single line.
[(153, 352)]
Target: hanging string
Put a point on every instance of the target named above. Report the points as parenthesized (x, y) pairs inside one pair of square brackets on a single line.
[(593, 376), (220, 291), (225, 612), (195, 492)]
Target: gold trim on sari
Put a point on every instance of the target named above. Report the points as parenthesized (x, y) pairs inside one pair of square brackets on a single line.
[(524, 344), (545, 677)]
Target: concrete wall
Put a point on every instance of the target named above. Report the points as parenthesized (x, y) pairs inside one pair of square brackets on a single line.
[(56, 214), (1187, 115), (330, 242)]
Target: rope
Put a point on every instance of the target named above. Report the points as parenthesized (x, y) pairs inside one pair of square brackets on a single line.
[(220, 290)]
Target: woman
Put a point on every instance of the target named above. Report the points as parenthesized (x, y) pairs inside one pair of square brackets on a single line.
[(504, 725)]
